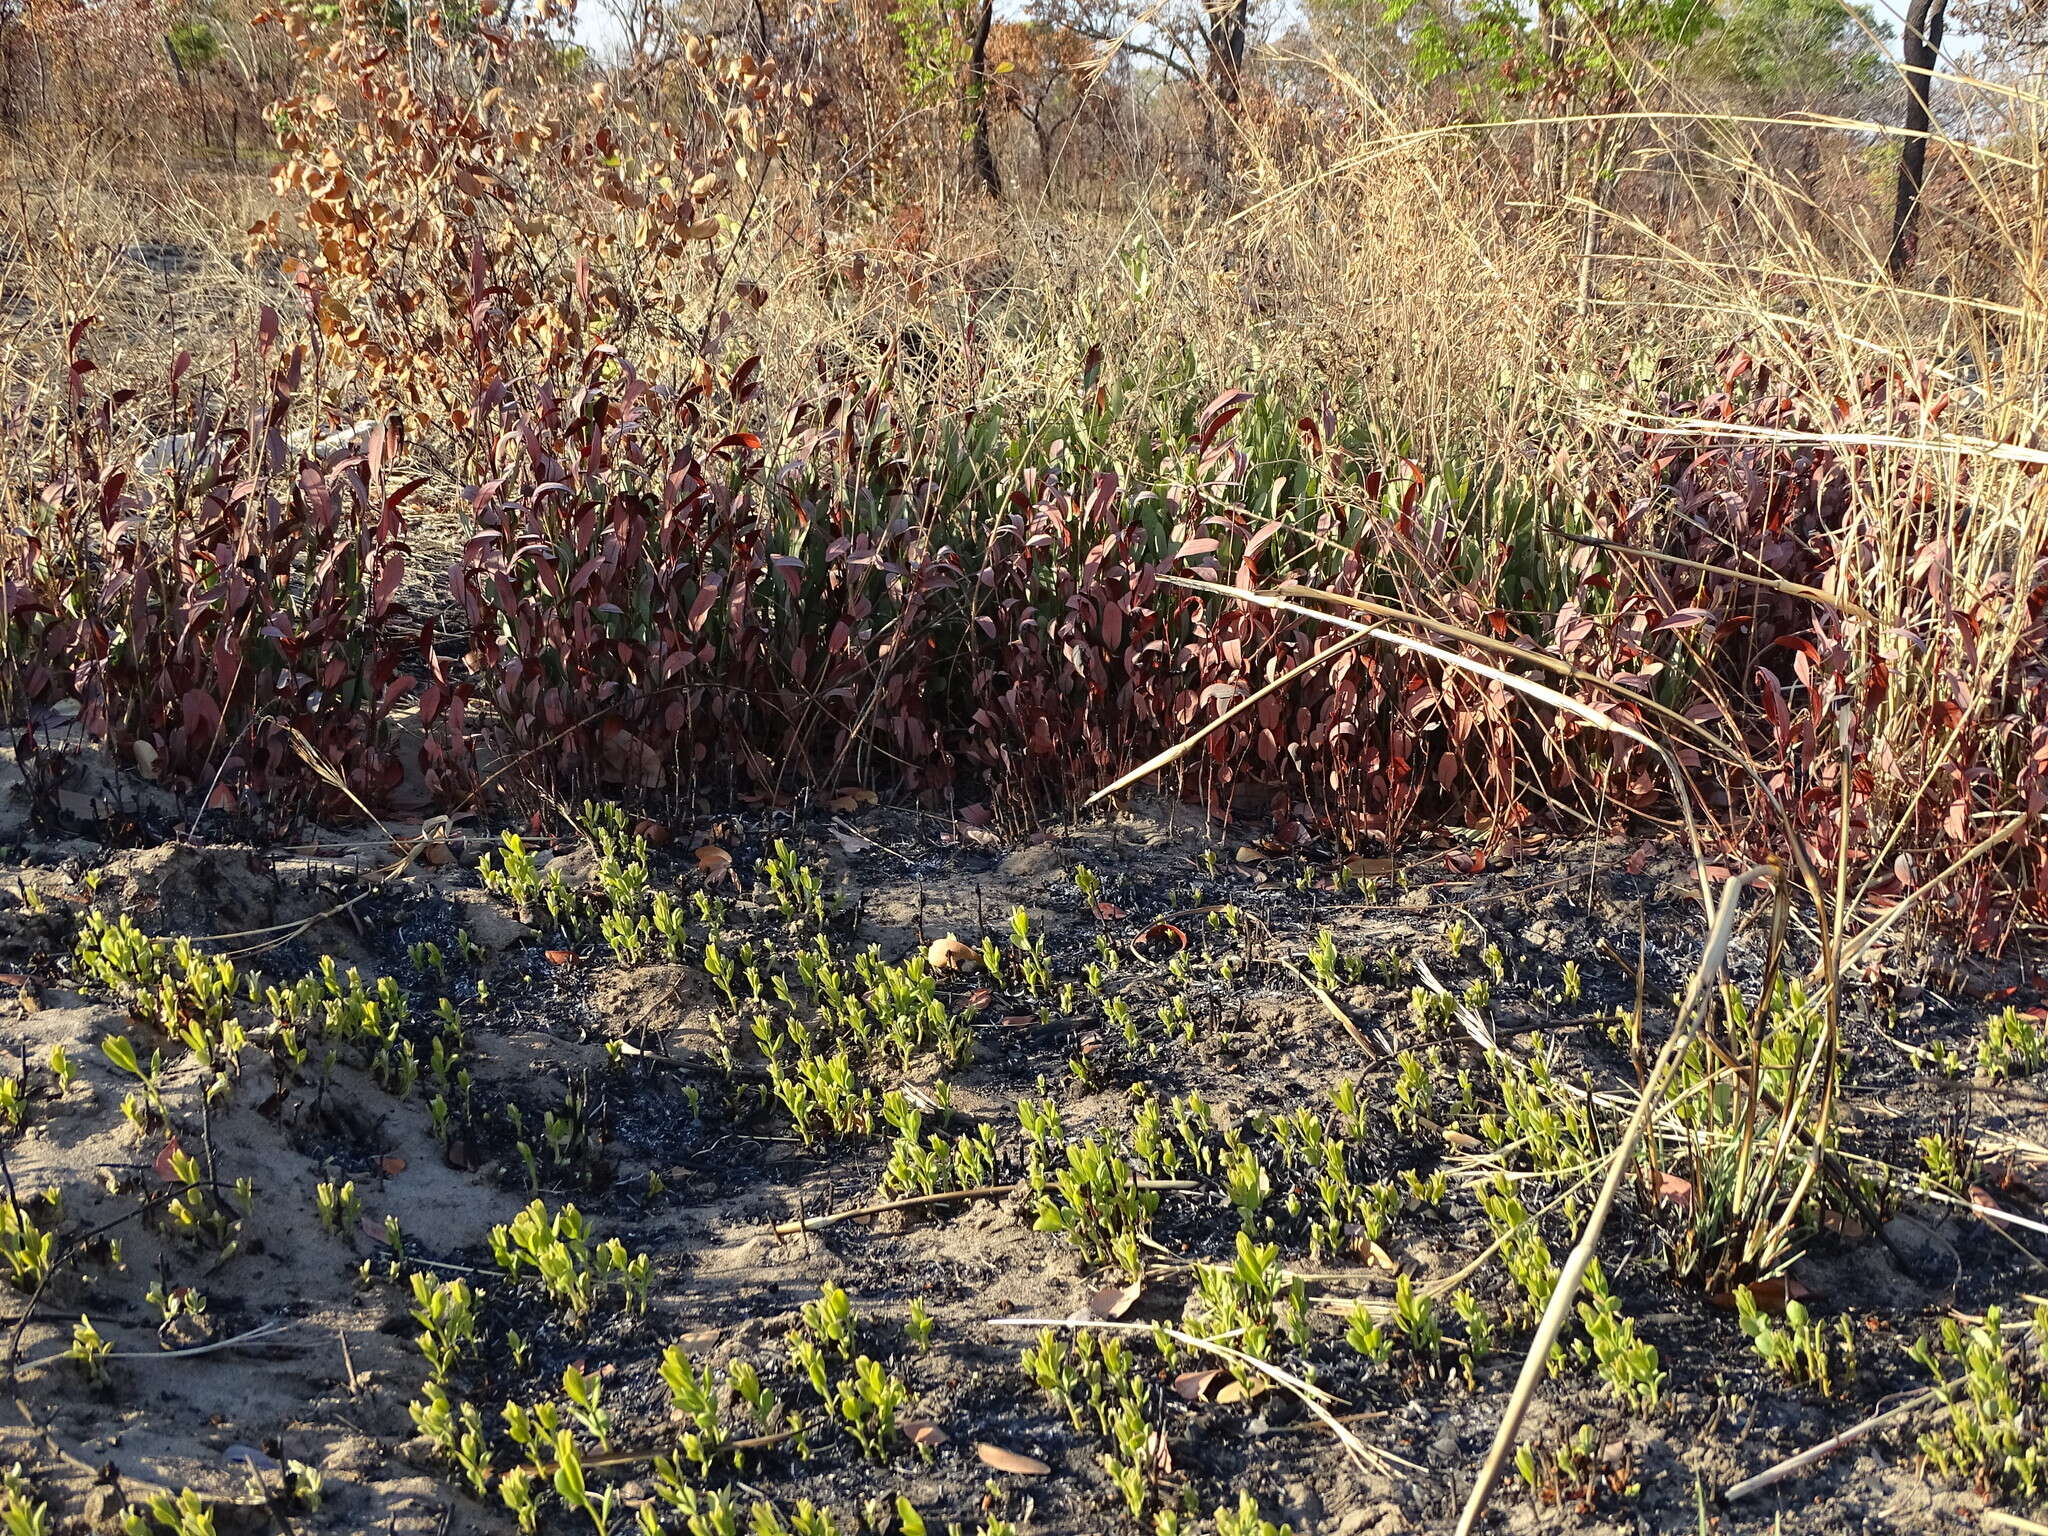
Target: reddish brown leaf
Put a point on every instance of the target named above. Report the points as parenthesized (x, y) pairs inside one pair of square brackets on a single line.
[(1673, 1190), (1769, 1295), (1005, 1460)]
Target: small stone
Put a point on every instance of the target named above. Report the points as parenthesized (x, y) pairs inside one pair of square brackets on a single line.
[(1922, 1251), (1033, 861), (104, 1507)]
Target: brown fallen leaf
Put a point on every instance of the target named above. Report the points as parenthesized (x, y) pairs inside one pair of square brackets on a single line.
[(925, 1433), (1361, 867), (1113, 1301), (1108, 911), (391, 1165), (1252, 854), (655, 833), (163, 1160), (1003, 1460), (950, 954), (1164, 930), (1019, 1020), (1673, 1190), (1769, 1295), (560, 956), (1195, 1385), (980, 998), (851, 799), (713, 861), (1236, 1392)]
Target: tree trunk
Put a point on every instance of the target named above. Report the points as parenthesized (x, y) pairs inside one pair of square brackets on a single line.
[(1919, 51), (1229, 24), (979, 149)]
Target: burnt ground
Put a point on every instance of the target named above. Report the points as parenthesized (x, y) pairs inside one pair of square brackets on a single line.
[(649, 1109)]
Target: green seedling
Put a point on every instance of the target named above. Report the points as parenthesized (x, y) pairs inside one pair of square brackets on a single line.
[(1799, 1350), (1995, 1394), (869, 1402), (1629, 1365), (447, 1313), (570, 1265), (2014, 1045), (89, 1351), (1095, 1203)]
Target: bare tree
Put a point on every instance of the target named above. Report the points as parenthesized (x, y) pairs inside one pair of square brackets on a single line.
[(1920, 51), (979, 150), (1228, 25)]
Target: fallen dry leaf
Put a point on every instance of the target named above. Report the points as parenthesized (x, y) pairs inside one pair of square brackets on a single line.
[(1252, 854), (1113, 1301), (851, 799), (163, 1160), (1159, 1455), (713, 861), (391, 1165), (1195, 1385), (1108, 911), (949, 954), (655, 833), (1163, 930), (560, 956), (1235, 1392), (1362, 868), (1009, 1461), (1769, 1295), (924, 1432), (1673, 1190)]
